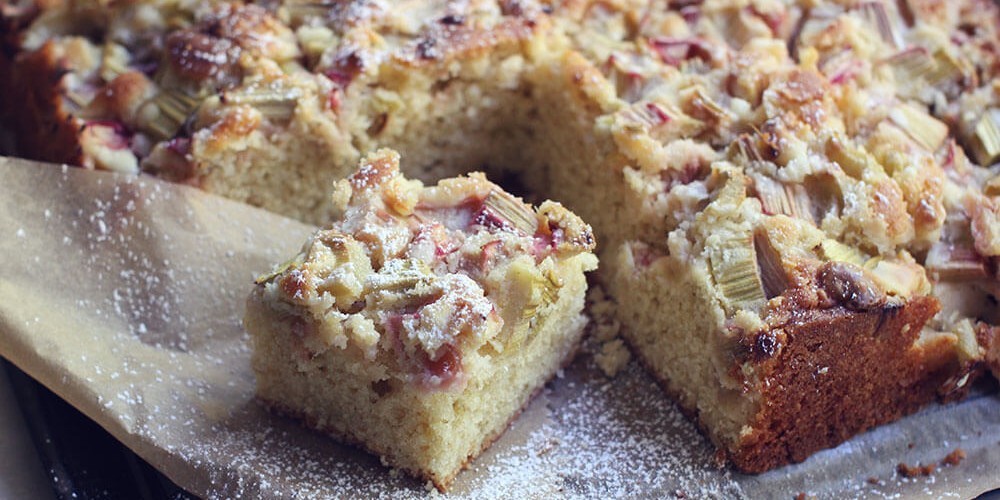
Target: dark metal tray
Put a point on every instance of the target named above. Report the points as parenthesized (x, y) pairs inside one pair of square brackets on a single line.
[(83, 460)]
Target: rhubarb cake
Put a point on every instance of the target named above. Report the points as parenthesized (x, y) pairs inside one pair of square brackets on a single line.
[(797, 201), (422, 320)]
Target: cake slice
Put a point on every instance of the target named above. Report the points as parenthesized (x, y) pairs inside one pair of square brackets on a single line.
[(421, 322), (780, 341)]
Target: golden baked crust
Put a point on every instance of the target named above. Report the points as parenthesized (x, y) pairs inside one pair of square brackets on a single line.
[(758, 173), (853, 397)]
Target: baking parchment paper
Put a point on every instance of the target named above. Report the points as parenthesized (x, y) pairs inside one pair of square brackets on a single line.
[(124, 295)]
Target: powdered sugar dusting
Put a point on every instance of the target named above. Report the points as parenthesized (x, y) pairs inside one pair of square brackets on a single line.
[(597, 429)]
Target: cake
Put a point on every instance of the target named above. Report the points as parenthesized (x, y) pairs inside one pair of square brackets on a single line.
[(797, 201), (422, 320)]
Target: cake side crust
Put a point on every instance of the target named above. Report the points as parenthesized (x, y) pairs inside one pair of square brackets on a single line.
[(794, 388), (820, 388)]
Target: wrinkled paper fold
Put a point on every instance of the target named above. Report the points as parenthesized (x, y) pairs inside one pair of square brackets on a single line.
[(124, 295)]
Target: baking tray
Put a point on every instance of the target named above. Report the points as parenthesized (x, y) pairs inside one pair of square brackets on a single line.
[(82, 460)]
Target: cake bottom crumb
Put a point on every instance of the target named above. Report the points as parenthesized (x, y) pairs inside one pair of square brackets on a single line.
[(911, 471), (610, 352), (954, 458), (951, 459), (613, 357)]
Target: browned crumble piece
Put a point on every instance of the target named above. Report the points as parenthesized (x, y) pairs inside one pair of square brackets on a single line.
[(910, 472), (954, 458)]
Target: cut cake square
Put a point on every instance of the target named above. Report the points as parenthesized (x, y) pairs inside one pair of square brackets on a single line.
[(782, 342), (423, 320)]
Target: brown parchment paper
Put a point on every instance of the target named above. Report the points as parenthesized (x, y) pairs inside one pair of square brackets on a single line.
[(124, 295)]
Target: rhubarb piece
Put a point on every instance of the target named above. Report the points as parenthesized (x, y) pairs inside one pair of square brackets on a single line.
[(773, 276), (511, 210), (273, 101), (917, 68), (645, 115), (421, 335), (734, 269), (114, 61), (746, 149), (912, 65), (626, 72), (955, 262), (401, 275), (922, 127), (164, 114), (985, 142), (833, 250), (702, 106), (853, 160), (950, 68), (675, 51), (876, 15), (785, 199), (545, 291), (841, 67)]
